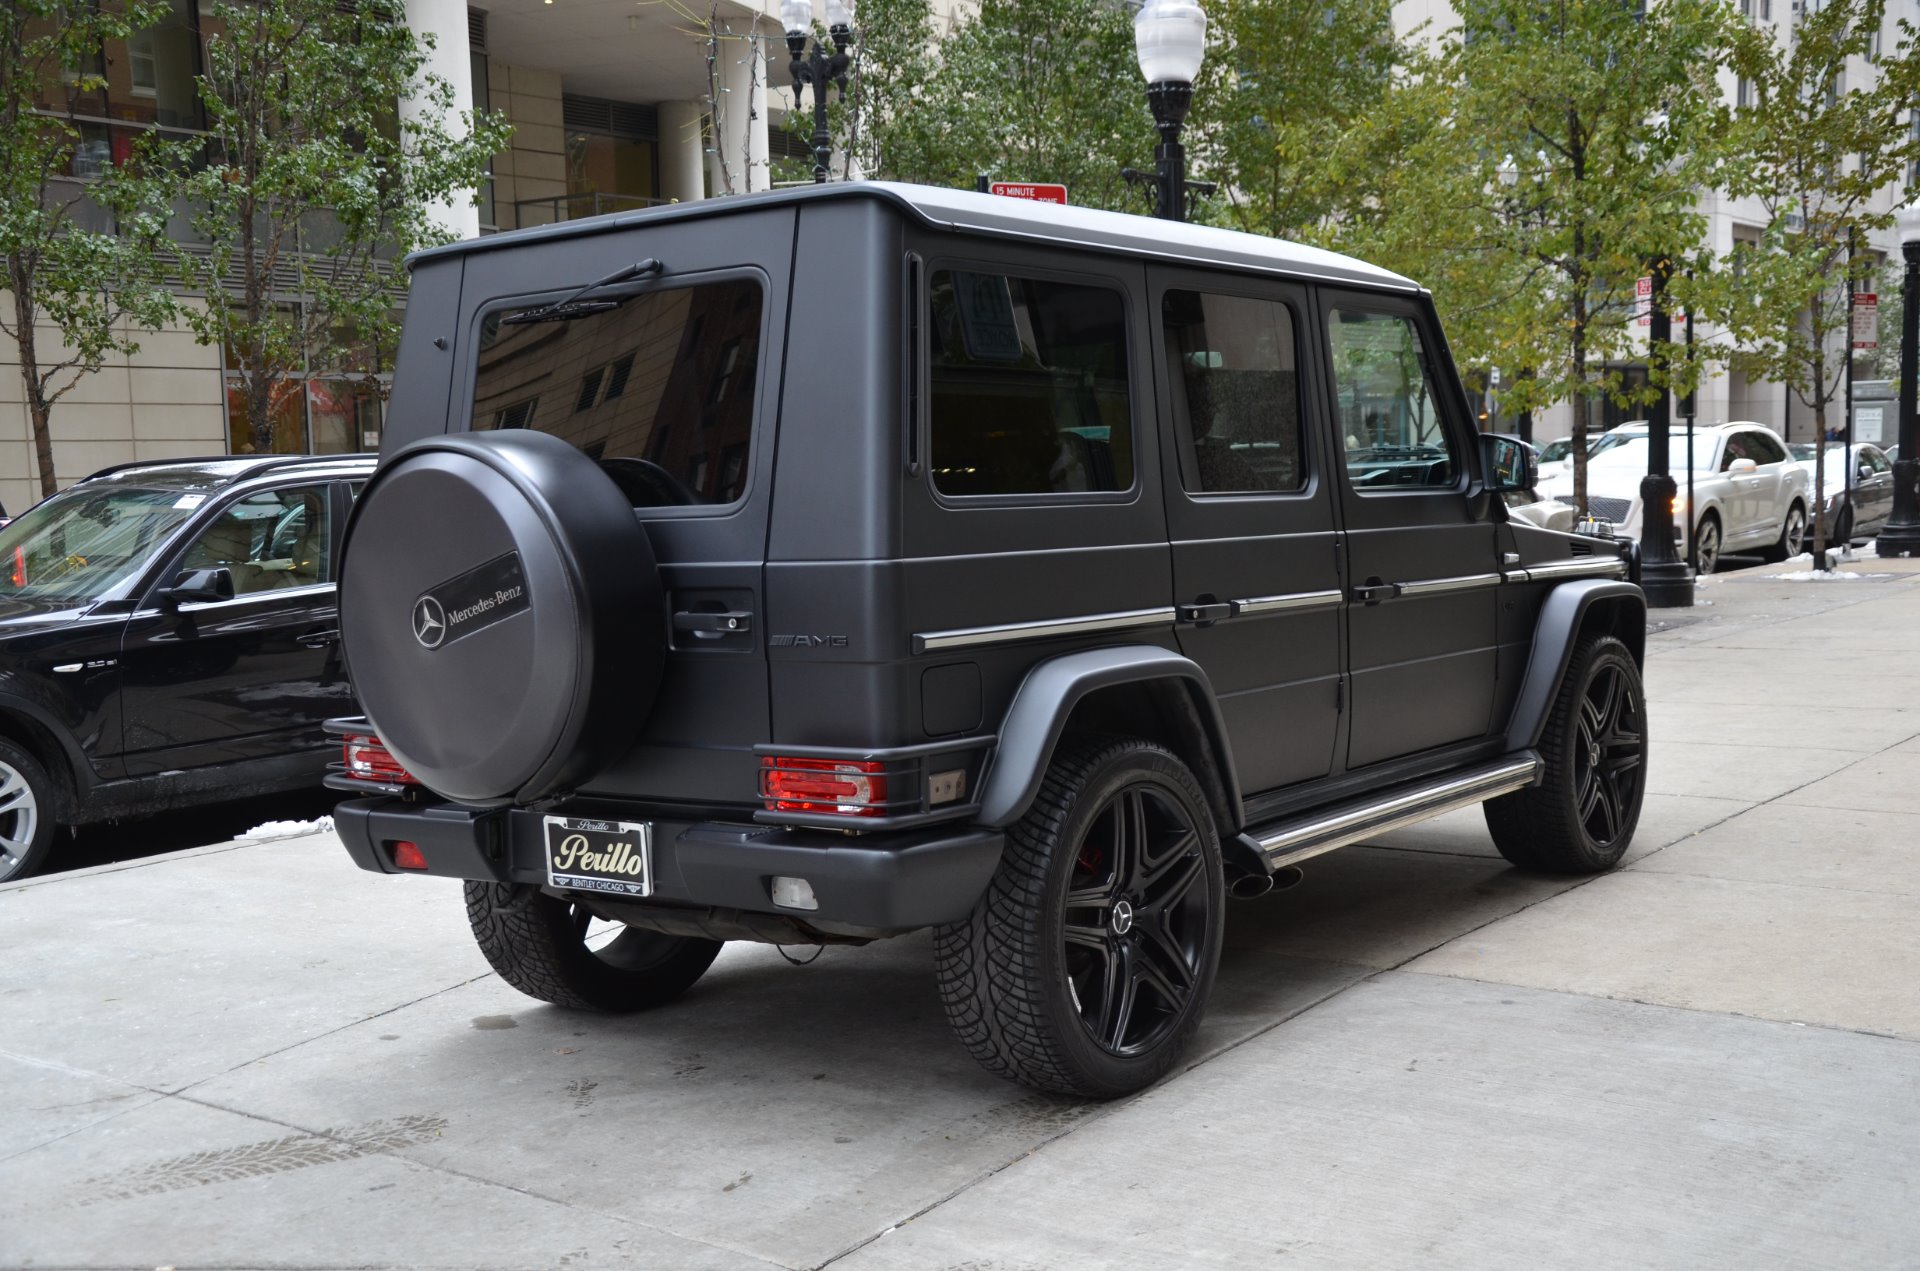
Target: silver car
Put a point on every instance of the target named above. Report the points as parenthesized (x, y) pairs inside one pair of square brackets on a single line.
[(1856, 506)]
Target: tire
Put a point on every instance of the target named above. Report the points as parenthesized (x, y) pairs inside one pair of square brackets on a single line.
[(26, 813), (1085, 967), (1793, 536), (1843, 529), (1581, 816), (537, 944), (1706, 544), (498, 586)]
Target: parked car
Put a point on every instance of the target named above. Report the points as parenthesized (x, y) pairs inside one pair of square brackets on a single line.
[(167, 637), (1112, 566), (1857, 505), (1748, 494), (1556, 457)]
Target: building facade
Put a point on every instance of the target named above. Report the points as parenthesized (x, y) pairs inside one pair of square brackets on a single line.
[(613, 106)]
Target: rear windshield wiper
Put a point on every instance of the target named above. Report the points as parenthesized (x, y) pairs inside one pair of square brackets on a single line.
[(570, 306)]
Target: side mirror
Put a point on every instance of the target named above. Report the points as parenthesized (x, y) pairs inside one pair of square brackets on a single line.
[(1743, 466), (1509, 463), (204, 585), (1862, 474)]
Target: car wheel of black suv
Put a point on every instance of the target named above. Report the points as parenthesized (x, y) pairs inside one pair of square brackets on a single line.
[(538, 944), (1580, 818), (26, 813), (1085, 967)]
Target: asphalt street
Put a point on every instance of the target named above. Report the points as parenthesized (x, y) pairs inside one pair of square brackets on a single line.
[(254, 1055)]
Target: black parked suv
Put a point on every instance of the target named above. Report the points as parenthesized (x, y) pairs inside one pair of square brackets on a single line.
[(168, 638), (826, 565)]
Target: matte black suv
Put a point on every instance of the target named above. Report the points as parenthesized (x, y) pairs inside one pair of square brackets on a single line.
[(826, 565), (167, 638)]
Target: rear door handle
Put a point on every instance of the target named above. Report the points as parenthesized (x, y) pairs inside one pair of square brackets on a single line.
[(730, 622), (1373, 591), (1206, 611)]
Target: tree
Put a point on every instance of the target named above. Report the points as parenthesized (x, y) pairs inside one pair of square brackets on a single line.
[(1286, 86), (66, 266), (1027, 90), (1817, 150), (310, 185), (1563, 147)]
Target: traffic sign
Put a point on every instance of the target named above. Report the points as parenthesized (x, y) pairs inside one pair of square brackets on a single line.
[(1038, 192), (1866, 320)]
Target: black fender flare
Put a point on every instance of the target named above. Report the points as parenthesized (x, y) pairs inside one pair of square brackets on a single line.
[(1562, 616), (1045, 700), (68, 765)]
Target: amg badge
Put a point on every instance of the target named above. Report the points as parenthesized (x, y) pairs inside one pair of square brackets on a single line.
[(469, 602)]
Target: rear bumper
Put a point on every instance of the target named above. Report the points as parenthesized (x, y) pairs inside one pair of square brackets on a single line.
[(880, 882)]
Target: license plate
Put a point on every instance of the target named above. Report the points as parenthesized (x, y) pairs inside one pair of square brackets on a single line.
[(614, 857)]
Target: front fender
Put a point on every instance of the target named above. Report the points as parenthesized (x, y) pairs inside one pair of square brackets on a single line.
[(1046, 699), (1562, 617)]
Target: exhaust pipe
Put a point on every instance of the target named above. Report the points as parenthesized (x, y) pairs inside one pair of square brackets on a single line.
[(1254, 886)]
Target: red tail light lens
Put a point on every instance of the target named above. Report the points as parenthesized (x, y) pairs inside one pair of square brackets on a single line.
[(407, 855), (842, 787), (19, 566), (368, 759)]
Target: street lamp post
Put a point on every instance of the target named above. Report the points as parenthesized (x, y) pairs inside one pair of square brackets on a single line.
[(1901, 536), (814, 65), (1664, 576), (1170, 39)]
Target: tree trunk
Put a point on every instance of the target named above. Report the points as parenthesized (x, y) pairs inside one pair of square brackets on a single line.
[(38, 406), (1819, 517), (1578, 398)]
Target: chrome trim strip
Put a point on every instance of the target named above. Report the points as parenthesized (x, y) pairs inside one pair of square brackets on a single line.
[(1006, 633), (252, 598), (1293, 602), (1598, 567), (1440, 586), (1312, 838)]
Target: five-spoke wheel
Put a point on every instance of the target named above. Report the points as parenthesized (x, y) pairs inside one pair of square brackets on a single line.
[(1085, 966), (1580, 816), (26, 813)]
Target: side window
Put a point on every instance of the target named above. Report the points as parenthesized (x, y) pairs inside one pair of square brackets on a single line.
[(1874, 459), (1739, 446), (1028, 386), (270, 541), (1234, 376), (1766, 449), (1389, 416)]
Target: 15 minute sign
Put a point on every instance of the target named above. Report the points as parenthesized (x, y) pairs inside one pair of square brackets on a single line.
[(1038, 192)]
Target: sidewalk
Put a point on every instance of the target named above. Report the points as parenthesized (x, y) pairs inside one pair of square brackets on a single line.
[(257, 1056)]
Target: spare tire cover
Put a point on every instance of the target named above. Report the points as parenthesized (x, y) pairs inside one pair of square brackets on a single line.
[(501, 615)]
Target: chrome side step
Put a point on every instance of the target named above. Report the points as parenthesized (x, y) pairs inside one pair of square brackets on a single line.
[(1290, 842)]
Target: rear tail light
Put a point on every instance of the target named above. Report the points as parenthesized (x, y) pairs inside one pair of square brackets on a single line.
[(842, 787), (368, 759), (407, 855), (19, 566)]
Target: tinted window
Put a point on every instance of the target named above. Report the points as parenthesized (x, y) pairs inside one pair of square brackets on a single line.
[(1389, 416), (1029, 386), (659, 389), (77, 544), (269, 541), (1873, 459), (1765, 449), (1236, 391), (1739, 446)]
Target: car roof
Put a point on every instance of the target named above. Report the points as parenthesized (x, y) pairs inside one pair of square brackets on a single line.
[(217, 471), (1638, 427), (967, 211)]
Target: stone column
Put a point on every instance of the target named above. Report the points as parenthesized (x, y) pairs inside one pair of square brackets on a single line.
[(683, 159), (446, 21), (741, 115)]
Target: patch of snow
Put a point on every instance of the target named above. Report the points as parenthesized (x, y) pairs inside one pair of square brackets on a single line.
[(1823, 576), (287, 829)]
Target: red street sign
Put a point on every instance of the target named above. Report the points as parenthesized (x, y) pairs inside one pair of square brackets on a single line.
[(1040, 193), (1866, 320)]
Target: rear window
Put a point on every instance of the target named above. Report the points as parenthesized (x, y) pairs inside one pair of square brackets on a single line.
[(659, 388), (1029, 386)]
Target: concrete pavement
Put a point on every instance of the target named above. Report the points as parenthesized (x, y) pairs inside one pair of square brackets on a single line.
[(257, 1056)]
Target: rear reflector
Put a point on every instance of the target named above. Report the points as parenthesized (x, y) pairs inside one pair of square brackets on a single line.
[(368, 759), (842, 787), (407, 855)]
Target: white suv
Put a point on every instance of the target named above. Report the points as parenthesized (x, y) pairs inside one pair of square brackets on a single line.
[(1748, 494)]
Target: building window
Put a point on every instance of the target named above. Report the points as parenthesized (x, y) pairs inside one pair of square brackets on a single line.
[(1743, 92)]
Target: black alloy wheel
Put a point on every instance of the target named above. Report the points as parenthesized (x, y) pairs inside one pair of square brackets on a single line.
[(1579, 817), (1607, 755), (1085, 966), (1135, 928), (548, 947)]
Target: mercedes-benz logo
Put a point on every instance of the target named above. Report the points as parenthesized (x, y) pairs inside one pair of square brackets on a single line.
[(1122, 917), (429, 622)]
